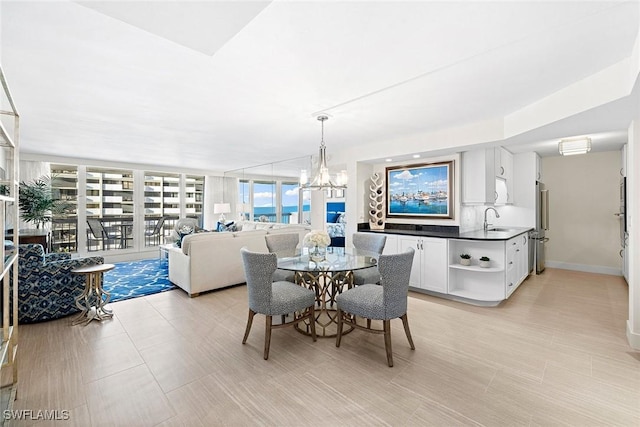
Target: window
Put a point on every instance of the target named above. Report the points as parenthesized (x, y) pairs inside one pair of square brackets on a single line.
[(244, 192), (264, 204), (290, 210), (194, 196), (109, 208), (64, 228), (161, 200), (112, 222)]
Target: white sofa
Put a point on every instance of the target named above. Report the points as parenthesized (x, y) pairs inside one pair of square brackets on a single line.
[(208, 261)]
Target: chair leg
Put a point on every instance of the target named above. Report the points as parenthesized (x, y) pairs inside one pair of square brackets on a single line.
[(405, 322), (339, 334), (267, 337), (312, 322), (387, 340), (249, 322)]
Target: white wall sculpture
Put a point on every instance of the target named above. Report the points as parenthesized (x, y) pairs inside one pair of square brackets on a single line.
[(376, 202)]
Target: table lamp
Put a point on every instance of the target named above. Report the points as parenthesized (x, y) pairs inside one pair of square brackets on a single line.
[(221, 208)]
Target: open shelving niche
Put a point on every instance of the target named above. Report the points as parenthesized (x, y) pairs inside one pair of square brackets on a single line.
[(474, 282), (9, 118)]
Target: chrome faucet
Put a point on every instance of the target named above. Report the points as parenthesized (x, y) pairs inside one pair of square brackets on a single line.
[(486, 225)]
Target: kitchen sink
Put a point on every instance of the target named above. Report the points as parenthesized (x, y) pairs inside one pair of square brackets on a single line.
[(502, 229)]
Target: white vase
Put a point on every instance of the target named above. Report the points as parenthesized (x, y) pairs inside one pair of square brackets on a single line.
[(484, 264), (465, 261), (317, 253)]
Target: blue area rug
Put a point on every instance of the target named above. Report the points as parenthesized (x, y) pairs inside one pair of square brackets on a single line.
[(137, 278)]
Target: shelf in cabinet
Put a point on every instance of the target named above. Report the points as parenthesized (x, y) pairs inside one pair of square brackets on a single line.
[(477, 268), (477, 296)]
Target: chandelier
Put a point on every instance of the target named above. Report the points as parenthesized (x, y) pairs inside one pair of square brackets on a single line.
[(322, 180)]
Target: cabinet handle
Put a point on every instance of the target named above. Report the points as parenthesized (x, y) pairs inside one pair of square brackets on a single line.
[(501, 170), (495, 196), (511, 263), (621, 251), (621, 172), (524, 239), (510, 284), (513, 243)]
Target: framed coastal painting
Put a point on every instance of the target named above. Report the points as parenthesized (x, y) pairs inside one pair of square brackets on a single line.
[(420, 191)]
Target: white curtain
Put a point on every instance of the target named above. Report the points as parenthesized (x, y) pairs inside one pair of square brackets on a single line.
[(219, 189)]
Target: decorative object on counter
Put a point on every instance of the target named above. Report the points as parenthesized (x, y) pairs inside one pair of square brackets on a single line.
[(317, 242), (465, 259), (376, 202), (485, 262)]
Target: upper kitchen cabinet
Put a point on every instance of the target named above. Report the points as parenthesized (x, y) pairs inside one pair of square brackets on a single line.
[(487, 176)]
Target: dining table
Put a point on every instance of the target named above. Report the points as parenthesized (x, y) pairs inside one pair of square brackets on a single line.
[(327, 278)]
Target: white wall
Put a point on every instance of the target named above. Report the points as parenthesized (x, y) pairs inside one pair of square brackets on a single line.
[(633, 207), (584, 233)]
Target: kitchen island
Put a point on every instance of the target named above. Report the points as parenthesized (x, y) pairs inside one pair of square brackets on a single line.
[(437, 268)]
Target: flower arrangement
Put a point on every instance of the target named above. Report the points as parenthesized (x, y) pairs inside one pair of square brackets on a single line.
[(317, 238)]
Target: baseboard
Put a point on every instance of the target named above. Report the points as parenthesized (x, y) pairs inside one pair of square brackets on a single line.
[(601, 269), (633, 338)]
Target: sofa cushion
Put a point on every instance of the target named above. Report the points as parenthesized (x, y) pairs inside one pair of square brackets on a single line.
[(189, 239)]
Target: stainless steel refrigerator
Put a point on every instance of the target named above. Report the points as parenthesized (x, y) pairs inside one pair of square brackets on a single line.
[(538, 236)]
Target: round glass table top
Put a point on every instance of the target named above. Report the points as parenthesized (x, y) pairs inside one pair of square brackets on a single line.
[(336, 259)]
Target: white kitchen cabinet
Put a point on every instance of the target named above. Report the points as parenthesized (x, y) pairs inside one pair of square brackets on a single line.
[(429, 269), (517, 266), (487, 176), (538, 167), (488, 286), (390, 245), (623, 161)]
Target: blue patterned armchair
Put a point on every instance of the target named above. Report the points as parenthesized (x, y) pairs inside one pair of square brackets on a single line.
[(47, 289)]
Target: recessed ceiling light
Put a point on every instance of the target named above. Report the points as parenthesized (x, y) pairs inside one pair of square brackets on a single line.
[(388, 160), (416, 156)]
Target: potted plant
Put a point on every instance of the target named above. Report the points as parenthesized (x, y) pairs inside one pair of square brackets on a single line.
[(465, 259), (485, 262), (38, 202)]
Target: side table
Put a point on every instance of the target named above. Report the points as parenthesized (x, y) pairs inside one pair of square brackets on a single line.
[(90, 302), (164, 250)]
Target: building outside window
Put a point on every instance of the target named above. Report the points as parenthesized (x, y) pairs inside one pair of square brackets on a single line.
[(194, 193), (64, 228), (111, 195), (109, 209)]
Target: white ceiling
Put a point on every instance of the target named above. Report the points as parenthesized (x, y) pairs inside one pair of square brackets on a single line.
[(221, 85)]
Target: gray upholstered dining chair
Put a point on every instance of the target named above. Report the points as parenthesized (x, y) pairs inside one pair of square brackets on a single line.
[(283, 245), (374, 302), (373, 243), (274, 298)]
